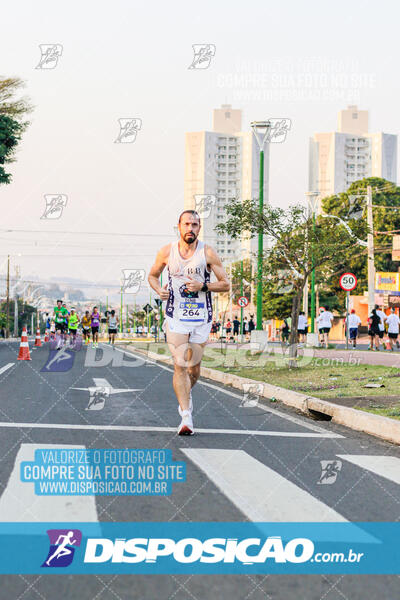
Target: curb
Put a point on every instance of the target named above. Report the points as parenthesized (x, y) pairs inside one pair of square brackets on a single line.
[(382, 427)]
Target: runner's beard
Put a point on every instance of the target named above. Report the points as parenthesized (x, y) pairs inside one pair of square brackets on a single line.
[(192, 236)]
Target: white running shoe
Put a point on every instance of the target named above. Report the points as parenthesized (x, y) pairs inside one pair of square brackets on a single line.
[(190, 405), (186, 426)]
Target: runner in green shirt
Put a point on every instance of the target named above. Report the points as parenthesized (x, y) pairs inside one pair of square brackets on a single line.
[(59, 317), (73, 323)]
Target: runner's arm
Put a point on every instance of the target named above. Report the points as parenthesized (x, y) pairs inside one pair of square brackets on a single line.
[(158, 267), (214, 261)]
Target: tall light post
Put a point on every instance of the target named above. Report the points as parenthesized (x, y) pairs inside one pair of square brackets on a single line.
[(261, 131), (8, 298), (313, 202), (121, 311)]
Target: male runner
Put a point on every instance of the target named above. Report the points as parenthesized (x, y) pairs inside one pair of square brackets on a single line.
[(112, 327), (66, 318), (86, 325), (95, 322), (60, 312), (73, 323), (188, 312)]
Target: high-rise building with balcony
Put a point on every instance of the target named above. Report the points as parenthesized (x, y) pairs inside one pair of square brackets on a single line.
[(222, 164), (338, 158)]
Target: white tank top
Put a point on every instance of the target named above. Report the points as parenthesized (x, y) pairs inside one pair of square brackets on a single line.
[(182, 305), (112, 322)]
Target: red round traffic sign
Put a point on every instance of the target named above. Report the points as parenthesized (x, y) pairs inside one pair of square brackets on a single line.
[(242, 301), (348, 281)]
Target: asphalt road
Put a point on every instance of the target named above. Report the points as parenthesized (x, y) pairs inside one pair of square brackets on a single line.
[(39, 407)]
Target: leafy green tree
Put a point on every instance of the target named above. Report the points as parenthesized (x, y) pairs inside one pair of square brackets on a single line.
[(10, 135), (16, 109), (351, 207), (296, 246), (12, 123)]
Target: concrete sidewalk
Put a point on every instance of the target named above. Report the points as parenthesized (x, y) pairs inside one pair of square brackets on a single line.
[(361, 357)]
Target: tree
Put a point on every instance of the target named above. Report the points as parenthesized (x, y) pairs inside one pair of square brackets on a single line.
[(15, 109), (10, 135), (12, 125), (351, 206), (296, 246)]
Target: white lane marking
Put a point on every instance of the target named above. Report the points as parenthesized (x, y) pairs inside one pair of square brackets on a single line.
[(303, 423), (6, 367), (20, 503), (168, 429), (385, 466), (258, 491)]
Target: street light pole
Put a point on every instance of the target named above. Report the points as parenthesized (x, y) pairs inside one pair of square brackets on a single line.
[(261, 130), (371, 257), (121, 313), (8, 297), (312, 197), (160, 322), (241, 307)]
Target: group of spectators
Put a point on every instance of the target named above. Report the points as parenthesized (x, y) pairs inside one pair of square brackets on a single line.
[(378, 324), (324, 324), (231, 329)]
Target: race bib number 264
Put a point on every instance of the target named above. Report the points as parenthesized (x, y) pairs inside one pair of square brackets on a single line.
[(191, 311)]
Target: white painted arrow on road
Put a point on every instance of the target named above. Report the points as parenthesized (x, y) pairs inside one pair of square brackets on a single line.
[(101, 390)]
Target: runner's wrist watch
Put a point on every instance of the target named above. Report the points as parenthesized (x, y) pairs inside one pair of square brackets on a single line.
[(204, 288)]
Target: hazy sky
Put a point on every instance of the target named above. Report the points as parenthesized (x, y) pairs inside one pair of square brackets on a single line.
[(304, 61)]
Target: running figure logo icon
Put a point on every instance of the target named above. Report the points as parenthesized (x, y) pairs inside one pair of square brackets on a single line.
[(62, 547), (204, 204), (251, 394), (59, 361), (50, 53), (330, 471), (128, 129), (203, 54), (55, 204), (132, 280)]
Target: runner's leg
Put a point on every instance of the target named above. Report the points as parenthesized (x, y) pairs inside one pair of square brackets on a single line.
[(187, 358)]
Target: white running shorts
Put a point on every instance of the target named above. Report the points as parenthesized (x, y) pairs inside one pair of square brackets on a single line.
[(198, 333)]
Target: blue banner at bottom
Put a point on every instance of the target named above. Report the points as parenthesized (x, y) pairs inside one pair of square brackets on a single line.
[(200, 548)]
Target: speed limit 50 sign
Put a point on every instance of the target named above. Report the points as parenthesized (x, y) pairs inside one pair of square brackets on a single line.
[(348, 282)]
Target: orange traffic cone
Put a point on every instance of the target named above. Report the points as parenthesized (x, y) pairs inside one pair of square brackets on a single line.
[(47, 336), (38, 341), (387, 344), (24, 346)]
